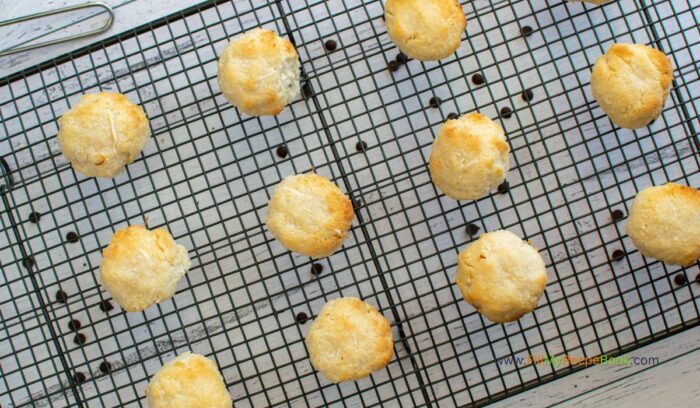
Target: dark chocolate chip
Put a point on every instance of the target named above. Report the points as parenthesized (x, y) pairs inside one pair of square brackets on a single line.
[(618, 254), (526, 31), (105, 367), (697, 278), (478, 79), (452, 115), (472, 229), (34, 217), (680, 279), (106, 306), (61, 296), (434, 102), (78, 378), (306, 90), (393, 66), (316, 269), (282, 151), (72, 237), (402, 58), (80, 339), (358, 203), (330, 45), (527, 95), (617, 215), (28, 262), (506, 112), (74, 325), (503, 187), (302, 317), (361, 146)]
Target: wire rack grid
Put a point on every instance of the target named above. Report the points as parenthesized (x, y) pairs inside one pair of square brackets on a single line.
[(208, 173)]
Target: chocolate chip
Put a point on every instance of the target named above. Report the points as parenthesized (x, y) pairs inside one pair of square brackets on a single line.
[(452, 115), (282, 151), (316, 269), (472, 229), (105, 306), (393, 66), (74, 325), (618, 254), (80, 339), (330, 45), (78, 378), (34, 217), (302, 317), (358, 203), (506, 112), (105, 367), (434, 102), (617, 215), (361, 146), (306, 90), (527, 95), (72, 237), (680, 279), (402, 58), (697, 278), (61, 296), (526, 31), (503, 187), (28, 262), (478, 79)]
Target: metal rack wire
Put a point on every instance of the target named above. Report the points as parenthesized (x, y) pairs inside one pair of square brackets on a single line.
[(208, 173)]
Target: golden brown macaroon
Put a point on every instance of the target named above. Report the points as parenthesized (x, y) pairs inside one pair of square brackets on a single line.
[(502, 276), (188, 381), (664, 223), (631, 82), (427, 30), (469, 157), (102, 134), (309, 214), (141, 267), (259, 72), (349, 340)]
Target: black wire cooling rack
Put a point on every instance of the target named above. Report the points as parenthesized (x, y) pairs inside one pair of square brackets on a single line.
[(207, 175)]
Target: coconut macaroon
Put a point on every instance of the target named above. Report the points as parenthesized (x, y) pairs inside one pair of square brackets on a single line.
[(141, 267), (664, 223), (102, 134), (349, 340), (469, 157), (631, 82), (501, 275), (259, 72), (427, 30), (309, 214), (188, 381)]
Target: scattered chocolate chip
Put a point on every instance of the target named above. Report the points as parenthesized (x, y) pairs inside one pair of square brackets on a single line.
[(478, 79), (282, 151), (358, 203), (617, 215), (680, 279), (618, 254), (330, 45), (78, 378), (105, 367), (503, 187), (506, 112), (697, 278), (527, 95), (72, 237), (80, 339), (526, 31), (402, 58), (105, 306), (316, 269), (393, 66), (28, 262), (361, 146), (306, 90), (302, 317), (434, 102), (472, 229), (74, 325), (34, 217), (452, 115), (61, 296)]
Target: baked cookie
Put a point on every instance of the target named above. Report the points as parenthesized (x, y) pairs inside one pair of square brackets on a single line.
[(664, 223), (469, 157), (102, 134), (259, 72), (501, 275), (349, 340), (309, 214), (141, 267), (188, 381), (427, 30), (631, 82)]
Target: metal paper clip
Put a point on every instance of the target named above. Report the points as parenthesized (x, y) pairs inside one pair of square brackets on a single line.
[(54, 12)]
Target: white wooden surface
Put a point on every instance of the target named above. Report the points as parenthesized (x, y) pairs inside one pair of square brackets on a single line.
[(601, 384)]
